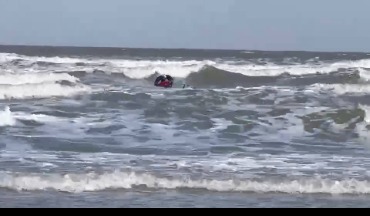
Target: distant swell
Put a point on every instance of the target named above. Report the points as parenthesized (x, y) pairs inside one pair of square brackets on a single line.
[(120, 180), (213, 77)]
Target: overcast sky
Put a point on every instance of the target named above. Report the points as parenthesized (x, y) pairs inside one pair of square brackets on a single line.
[(322, 25)]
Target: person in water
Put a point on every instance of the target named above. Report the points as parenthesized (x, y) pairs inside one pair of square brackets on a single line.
[(165, 81)]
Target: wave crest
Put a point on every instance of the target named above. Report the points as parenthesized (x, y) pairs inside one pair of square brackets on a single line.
[(40, 90)]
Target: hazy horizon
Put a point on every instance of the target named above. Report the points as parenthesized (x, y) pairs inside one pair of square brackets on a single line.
[(266, 25)]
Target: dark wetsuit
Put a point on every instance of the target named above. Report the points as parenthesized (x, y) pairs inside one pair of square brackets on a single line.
[(165, 81)]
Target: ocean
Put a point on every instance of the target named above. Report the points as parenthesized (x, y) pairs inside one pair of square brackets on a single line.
[(86, 127)]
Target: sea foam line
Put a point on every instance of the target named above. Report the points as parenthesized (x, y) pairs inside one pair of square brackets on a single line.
[(78, 183)]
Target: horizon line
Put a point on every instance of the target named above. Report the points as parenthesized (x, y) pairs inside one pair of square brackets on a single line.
[(178, 48)]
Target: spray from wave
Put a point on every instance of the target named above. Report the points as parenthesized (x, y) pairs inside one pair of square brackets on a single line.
[(7, 118)]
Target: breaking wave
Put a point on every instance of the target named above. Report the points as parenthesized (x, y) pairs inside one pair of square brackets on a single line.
[(19, 79), (40, 90), (39, 85), (77, 183)]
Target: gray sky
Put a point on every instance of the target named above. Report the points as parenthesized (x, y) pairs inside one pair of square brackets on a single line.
[(323, 25)]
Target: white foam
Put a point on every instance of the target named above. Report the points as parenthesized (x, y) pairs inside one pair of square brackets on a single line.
[(364, 74), (31, 78), (6, 118), (120, 180), (7, 57), (364, 63), (34, 117), (367, 113), (220, 124), (43, 90), (361, 128), (343, 88)]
